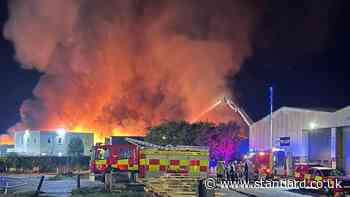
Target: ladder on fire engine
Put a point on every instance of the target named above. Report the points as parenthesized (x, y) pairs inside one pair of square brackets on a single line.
[(232, 106), (235, 108), (142, 143), (148, 144)]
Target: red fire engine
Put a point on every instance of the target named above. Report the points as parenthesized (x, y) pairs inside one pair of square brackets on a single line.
[(146, 159), (265, 164)]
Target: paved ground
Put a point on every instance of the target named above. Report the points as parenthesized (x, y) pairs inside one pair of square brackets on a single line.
[(274, 192), (59, 188), (64, 187), (268, 192), (271, 193), (227, 193)]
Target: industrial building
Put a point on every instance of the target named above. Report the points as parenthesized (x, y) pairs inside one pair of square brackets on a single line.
[(309, 135), (49, 143)]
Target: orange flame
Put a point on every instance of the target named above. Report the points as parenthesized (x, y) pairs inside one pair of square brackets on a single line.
[(100, 137), (121, 67), (6, 139)]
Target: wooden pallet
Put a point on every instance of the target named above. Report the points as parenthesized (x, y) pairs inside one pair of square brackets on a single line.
[(173, 186)]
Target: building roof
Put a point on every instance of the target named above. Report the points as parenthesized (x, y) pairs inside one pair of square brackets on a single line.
[(319, 109), (51, 131), (287, 108), (300, 109)]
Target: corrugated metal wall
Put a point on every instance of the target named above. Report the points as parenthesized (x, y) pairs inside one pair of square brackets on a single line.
[(342, 117), (288, 122)]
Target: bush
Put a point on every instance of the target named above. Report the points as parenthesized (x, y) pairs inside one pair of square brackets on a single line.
[(44, 163)]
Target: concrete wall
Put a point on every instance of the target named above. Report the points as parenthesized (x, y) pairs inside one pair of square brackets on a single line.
[(52, 144), (27, 143), (49, 142), (287, 122)]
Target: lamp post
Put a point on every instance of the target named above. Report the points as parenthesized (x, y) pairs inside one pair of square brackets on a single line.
[(271, 110)]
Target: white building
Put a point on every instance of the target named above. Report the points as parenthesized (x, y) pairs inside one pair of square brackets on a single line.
[(287, 122), (53, 143), (314, 135)]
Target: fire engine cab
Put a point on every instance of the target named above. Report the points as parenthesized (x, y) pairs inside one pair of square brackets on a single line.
[(265, 164)]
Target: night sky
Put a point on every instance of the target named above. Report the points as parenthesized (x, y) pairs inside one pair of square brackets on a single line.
[(299, 47)]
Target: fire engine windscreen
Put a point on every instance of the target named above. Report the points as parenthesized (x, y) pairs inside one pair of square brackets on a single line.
[(116, 67), (100, 154)]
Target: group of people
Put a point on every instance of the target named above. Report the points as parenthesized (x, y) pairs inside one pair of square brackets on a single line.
[(233, 171)]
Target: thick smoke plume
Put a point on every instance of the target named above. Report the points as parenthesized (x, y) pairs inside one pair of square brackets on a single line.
[(117, 67)]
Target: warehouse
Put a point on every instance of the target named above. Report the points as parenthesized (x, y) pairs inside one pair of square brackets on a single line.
[(291, 123), (313, 135), (51, 143)]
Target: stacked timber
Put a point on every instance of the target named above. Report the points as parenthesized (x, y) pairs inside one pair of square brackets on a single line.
[(173, 186)]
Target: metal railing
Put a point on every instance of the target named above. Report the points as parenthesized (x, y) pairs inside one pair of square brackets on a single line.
[(10, 183)]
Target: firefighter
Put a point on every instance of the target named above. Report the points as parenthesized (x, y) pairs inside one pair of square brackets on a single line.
[(246, 172), (220, 171), (227, 171), (232, 172), (239, 170)]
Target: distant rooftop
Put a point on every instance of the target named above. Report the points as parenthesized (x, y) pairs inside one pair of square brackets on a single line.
[(53, 130), (322, 109)]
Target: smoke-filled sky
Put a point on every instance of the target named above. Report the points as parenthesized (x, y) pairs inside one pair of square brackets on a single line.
[(132, 64), (126, 64)]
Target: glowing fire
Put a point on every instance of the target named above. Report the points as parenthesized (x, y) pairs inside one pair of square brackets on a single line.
[(120, 67), (99, 137), (6, 139)]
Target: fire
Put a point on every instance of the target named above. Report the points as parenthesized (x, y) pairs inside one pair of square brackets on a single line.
[(126, 132), (100, 137), (6, 139), (120, 67), (97, 137)]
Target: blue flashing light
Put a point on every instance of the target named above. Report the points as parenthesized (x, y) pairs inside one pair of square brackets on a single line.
[(212, 163)]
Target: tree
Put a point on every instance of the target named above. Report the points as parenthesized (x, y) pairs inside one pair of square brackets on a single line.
[(75, 150), (75, 147), (223, 140), (176, 133)]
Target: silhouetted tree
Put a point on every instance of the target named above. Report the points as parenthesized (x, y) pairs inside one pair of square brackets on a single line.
[(75, 147), (222, 139), (177, 133), (75, 150)]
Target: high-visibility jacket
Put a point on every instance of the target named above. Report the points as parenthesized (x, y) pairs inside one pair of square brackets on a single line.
[(220, 169)]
